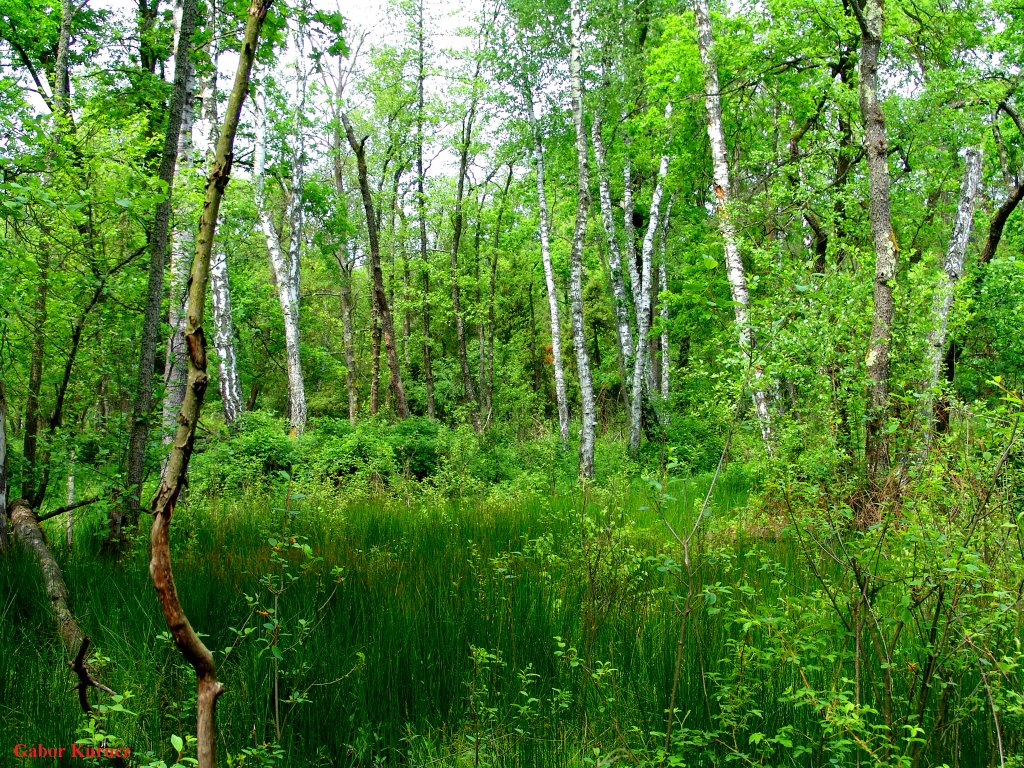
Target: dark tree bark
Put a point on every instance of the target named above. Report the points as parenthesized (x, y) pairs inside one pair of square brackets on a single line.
[(173, 480), (388, 328), (876, 447), (159, 241)]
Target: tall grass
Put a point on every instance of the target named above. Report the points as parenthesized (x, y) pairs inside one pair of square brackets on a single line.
[(527, 631)]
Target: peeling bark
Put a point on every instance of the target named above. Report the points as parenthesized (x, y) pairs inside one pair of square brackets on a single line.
[(173, 480), (733, 260)]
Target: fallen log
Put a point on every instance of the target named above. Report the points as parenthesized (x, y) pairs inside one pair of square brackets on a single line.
[(26, 530)]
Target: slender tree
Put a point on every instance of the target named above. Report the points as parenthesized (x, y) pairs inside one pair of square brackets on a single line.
[(377, 276), (143, 403), (952, 269), (561, 398), (588, 409), (876, 446), (208, 688), (733, 261)]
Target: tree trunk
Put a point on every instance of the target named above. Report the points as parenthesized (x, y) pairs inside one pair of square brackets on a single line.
[(491, 288), (468, 390), (344, 261), (143, 403), (666, 361), (620, 301), (629, 227), (358, 147), (733, 260), (69, 521), (421, 208), (286, 265), (188, 642), (224, 339), (561, 398), (876, 446), (29, 535), (176, 361), (587, 406), (33, 418), (952, 269), (643, 304)]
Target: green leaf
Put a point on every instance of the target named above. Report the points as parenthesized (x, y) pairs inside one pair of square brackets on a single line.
[(177, 743)]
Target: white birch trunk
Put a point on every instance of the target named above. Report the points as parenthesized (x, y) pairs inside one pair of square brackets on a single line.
[(643, 305), (620, 301), (588, 409), (733, 261), (663, 306), (561, 398), (628, 228), (952, 269), (223, 339), (286, 265)]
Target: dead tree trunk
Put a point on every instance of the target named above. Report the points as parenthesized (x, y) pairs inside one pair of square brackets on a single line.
[(188, 642)]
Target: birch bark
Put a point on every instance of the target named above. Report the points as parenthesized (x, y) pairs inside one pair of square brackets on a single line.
[(588, 412), (952, 269), (666, 360), (643, 304), (286, 264), (223, 338), (620, 301), (561, 398), (733, 261)]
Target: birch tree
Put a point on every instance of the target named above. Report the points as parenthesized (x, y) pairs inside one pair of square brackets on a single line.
[(620, 299), (561, 397), (588, 411), (285, 263), (733, 261), (663, 305), (223, 338), (643, 304), (952, 269)]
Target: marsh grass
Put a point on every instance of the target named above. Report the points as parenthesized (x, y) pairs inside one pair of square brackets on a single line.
[(527, 630)]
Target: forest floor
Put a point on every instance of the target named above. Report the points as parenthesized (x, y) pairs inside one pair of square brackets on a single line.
[(526, 631)]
